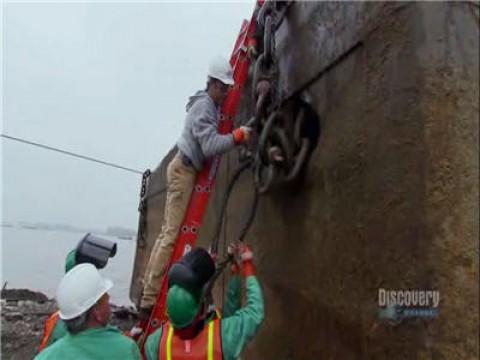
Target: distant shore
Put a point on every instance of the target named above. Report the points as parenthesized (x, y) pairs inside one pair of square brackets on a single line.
[(113, 231)]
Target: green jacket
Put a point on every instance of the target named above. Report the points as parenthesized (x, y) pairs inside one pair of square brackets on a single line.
[(238, 325), (59, 331), (92, 344)]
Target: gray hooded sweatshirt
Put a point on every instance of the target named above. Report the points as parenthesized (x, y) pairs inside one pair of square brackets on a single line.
[(200, 139)]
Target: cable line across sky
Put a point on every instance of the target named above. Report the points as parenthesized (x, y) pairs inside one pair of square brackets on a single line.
[(69, 153)]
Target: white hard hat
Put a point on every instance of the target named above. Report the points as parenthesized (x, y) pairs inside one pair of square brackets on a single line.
[(221, 69), (79, 290)]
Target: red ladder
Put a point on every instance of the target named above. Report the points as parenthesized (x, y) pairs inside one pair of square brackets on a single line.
[(206, 178)]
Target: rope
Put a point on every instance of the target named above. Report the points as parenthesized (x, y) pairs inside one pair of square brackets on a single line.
[(250, 217), (69, 153), (243, 231), (226, 197)]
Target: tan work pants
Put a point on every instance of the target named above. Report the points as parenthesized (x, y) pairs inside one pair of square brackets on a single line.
[(180, 183)]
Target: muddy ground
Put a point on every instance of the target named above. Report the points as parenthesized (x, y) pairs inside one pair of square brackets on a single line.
[(23, 313)]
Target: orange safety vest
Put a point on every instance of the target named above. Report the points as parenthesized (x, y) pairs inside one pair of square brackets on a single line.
[(48, 329), (207, 345)]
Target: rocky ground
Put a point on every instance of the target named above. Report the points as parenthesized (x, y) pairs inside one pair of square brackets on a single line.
[(23, 313)]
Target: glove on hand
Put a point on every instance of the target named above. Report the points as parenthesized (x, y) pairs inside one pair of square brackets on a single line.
[(243, 257), (241, 135)]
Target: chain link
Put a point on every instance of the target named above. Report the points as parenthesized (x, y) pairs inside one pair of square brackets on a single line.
[(282, 146), (142, 208)]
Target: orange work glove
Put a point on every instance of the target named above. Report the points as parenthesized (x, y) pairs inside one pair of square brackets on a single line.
[(246, 259), (241, 135)]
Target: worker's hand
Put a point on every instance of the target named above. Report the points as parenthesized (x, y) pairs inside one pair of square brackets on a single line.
[(232, 249), (245, 255), (232, 253), (242, 134), (213, 255)]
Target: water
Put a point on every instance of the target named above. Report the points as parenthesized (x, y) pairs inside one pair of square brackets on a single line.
[(35, 260)]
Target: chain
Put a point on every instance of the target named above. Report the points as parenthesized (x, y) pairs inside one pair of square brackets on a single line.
[(282, 146), (145, 176), (142, 208)]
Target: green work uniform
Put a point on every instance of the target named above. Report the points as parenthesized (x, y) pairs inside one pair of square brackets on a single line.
[(59, 331), (93, 344), (238, 325)]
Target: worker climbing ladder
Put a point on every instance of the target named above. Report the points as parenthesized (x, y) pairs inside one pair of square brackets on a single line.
[(205, 180)]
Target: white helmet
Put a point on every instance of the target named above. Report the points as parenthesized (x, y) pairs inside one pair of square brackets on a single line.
[(221, 69), (79, 290)]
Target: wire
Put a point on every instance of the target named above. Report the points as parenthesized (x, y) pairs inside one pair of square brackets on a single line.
[(71, 154)]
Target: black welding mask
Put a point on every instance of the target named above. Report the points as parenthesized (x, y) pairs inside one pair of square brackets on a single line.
[(95, 250), (192, 271)]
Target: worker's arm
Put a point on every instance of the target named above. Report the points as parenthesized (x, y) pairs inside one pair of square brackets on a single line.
[(135, 352), (59, 331), (152, 344), (239, 328), (205, 130), (233, 298)]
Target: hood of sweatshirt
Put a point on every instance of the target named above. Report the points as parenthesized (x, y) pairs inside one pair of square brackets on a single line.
[(200, 94)]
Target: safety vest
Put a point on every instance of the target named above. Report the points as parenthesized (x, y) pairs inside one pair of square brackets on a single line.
[(48, 329), (206, 345)]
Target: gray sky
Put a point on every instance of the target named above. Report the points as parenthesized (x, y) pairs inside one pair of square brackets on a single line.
[(105, 80)]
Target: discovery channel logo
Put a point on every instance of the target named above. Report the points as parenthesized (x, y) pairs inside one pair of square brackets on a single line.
[(401, 304)]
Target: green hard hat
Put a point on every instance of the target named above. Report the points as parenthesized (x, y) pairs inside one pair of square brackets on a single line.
[(70, 261), (182, 306)]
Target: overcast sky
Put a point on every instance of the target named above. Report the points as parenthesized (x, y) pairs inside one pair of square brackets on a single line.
[(105, 80)]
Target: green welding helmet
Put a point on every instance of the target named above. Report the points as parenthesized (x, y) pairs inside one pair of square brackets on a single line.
[(70, 260), (182, 306)]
